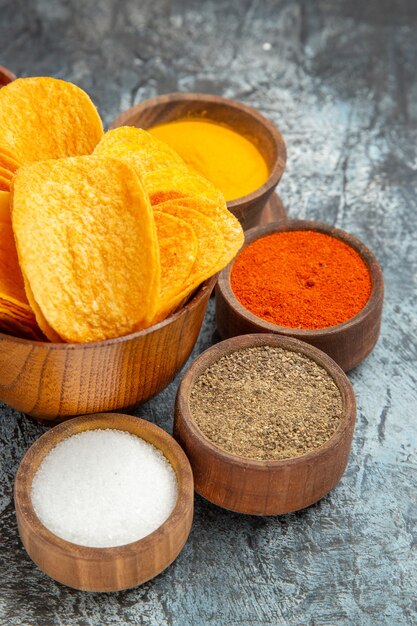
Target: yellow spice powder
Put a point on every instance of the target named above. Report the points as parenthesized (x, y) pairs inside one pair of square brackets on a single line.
[(230, 161)]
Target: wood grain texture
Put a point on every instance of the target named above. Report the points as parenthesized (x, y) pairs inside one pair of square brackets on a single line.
[(6, 76), (51, 381), (339, 80), (245, 120), (263, 487), (273, 211), (104, 569), (348, 343)]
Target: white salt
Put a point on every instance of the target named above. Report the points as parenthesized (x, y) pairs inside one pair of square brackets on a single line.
[(103, 488)]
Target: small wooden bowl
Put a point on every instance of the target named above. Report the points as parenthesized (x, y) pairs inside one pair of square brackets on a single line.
[(104, 569), (54, 381), (245, 120), (348, 343), (263, 487), (6, 76)]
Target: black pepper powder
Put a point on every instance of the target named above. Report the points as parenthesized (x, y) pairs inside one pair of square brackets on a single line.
[(266, 402)]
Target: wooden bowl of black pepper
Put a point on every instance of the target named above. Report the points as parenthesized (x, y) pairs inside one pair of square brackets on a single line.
[(266, 422), (348, 342)]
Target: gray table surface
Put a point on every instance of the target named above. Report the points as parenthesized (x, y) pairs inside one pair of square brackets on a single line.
[(339, 78)]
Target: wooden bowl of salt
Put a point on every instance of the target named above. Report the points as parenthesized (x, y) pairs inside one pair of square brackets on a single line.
[(259, 204), (337, 268), (117, 492), (266, 422)]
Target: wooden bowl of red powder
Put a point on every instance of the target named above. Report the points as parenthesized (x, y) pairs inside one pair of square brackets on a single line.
[(307, 280)]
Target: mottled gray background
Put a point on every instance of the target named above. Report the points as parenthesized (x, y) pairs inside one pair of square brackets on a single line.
[(339, 78)]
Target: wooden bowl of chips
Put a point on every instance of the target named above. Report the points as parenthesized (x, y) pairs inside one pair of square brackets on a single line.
[(102, 237), (348, 342), (54, 381), (243, 119), (109, 568)]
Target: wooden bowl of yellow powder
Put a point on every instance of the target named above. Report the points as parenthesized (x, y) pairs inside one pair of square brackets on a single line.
[(238, 149)]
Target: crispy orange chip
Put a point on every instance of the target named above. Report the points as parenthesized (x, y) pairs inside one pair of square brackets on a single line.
[(16, 315), (139, 149), (8, 162), (5, 173), (210, 250), (178, 249), (5, 206), (6, 152), (4, 184), (164, 173), (87, 245), (227, 223), (46, 118), (175, 182), (40, 319), (18, 327), (210, 243), (11, 280)]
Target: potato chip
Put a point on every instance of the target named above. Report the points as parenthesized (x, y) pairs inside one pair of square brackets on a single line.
[(8, 162), (11, 279), (6, 152), (46, 118), (20, 312), (5, 207), (210, 243), (87, 245), (227, 223), (17, 327), (166, 184), (5, 173), (15, 312), (40, 319), (18, 316), (139, 149), (4, 184), (178, 249), (210, 250)]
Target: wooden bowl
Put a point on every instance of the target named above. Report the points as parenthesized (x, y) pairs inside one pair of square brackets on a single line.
[(54, 381), (244, 119), (104, 569), (263, 487), (347, 343), (6, 76)]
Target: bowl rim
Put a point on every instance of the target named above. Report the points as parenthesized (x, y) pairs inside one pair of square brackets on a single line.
[(275, 171), (6, 76), (85, 345), (239, 342), (258, 232), (25, 475)]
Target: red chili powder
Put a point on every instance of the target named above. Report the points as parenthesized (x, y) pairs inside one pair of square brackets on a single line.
[(301, 279)]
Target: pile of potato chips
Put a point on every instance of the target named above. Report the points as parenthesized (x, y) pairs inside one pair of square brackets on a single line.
[(101, 234)]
